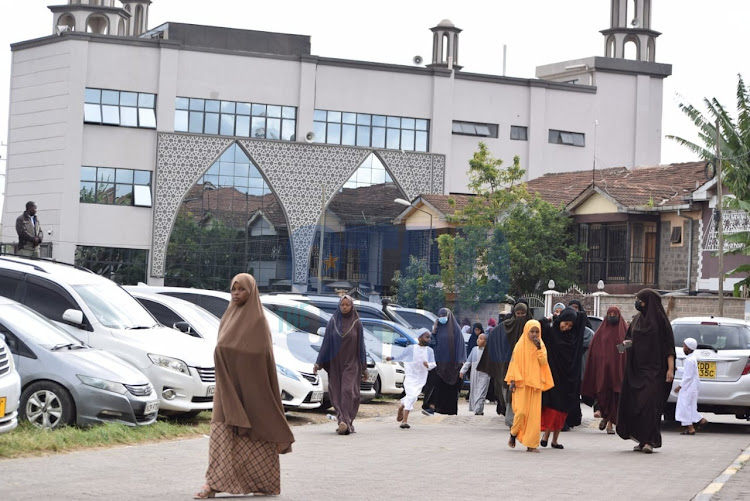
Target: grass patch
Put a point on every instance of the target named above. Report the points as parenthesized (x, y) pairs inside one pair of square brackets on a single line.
[(27, 440)]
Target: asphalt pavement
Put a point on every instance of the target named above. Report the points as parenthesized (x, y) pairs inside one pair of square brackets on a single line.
[(440, 457)]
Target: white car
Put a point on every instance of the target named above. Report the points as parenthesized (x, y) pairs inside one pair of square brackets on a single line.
[(10, 389), (300, 388), (416, 317), (103, 315)]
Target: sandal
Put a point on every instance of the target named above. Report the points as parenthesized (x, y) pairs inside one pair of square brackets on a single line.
[(687, 432), (602, 424), (648, 449), (342, 429), (610, 431), (512, 441), (205, 493), (532, 449), (700, 424), (638, 448), (405, 426), (400, 415)]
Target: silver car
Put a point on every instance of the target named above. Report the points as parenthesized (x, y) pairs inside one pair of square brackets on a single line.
[(723, 357), (65, 381)]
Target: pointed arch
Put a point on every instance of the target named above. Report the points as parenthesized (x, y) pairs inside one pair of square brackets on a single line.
[(631, 48), (651, 50), (66, 22), (97, 23)]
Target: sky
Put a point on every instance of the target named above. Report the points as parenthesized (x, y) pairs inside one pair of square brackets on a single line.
[(705, 42)]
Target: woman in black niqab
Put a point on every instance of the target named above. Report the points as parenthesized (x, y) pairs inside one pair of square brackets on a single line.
[(444, 382)]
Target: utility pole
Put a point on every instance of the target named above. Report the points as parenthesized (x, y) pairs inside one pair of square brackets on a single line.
[(720, 222)]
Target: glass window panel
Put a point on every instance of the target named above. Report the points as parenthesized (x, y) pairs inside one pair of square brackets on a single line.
[(142, 177), (227, 125), (288, 130), (320, 115), (253, 172), (349, 118), (394, 122), (259, 110), (241, 170), (88, 173), (258, 127), (482, 130), (211, 179), (407, 140), (420, 124), (319, 129), (211, 126), (363, 135), (334, 116), (378, 176), (124, 194), (228, 106), (348, 133), (146, 100), (241, 182), (142, 196), (93, 95), (289, 112), (457, 128), (392, 141), (407, 123), (129, 99), (226, 180), (273, 111), (180, 121), (181, 103), (213, 106), (124, 176), (105, 193), (239, 155), (87, 193), (196, 122), (111, 115), (197, 104), (243, 108), (378, 136), (227, 156), (128, 116), (105, 174), (363, 176), (92, 113), (110, 97), (147, 117), (243, 126), (468, 128), (226, 168), (334, 133), (378, 120), (273, 128), (363, 119), (256, 182), (420, 142), (579, 139)]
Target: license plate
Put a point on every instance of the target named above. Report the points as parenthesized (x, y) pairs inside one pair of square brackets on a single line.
[(317, 396), (151, 407), (210, 391), (707, 370), (2, 406)]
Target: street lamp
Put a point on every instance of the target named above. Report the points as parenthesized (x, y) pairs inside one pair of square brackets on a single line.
[(406, 203)]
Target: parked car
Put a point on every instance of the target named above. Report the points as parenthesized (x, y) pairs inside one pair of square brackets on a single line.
[(418, 319), (392, 339), (300, 388), (103, 315), (595, 322), (330, 303), (10, 389), (723, 356), (65, 382)]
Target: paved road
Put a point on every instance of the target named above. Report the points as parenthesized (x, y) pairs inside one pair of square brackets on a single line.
[(441, 457)]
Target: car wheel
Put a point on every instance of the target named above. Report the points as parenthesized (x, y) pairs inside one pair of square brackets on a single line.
[(376, 386), (47, 405)]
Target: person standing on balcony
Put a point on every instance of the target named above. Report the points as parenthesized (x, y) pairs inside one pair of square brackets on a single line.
[(30, 234)]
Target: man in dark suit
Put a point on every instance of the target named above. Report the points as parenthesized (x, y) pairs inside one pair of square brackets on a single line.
[(29, 231)]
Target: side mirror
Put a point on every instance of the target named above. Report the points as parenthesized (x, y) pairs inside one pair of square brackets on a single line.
[(183, 327), (73, 317), (401, 341), (321, 331)]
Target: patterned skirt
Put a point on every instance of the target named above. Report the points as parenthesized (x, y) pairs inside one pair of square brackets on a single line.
[(239, 465)]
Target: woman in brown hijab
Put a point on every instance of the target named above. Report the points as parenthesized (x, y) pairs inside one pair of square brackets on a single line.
[(248, 427), (342, 355)]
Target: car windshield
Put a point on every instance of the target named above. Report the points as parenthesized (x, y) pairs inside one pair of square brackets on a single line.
[(719, 337), (34, 328), (417, 320), (115, 308), (203, 321), (276, 323)]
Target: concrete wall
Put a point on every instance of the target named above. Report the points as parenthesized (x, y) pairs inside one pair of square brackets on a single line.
[(673, 258), (682, 306)]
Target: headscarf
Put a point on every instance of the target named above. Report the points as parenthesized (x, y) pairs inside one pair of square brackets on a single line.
[(247, 394), (491, 322), (605, 366), (582, 310), (525, 368), (558, 305), (514, 325), (450, 349), (565, 351), (340, 326), (474, 337)]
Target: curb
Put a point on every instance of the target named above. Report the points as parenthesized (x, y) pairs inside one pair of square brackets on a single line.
[(720, 481)]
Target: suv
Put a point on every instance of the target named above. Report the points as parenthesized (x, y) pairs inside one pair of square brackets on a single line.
[(102, 315), (723, 356), (10, 389)]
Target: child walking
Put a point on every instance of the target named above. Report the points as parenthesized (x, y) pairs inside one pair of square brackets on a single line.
[(418, 360), (480, 381), (687, 392)]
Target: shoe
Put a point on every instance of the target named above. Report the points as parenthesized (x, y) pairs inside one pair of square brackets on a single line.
[(543, 443), (400, 415), (648, 449), (602, 424), (342, 429), (556, 446), (405, 426), (428, 412), (610, 431), (205, 493), (638, 448), (479, 413), (512, 441), (687, 432)]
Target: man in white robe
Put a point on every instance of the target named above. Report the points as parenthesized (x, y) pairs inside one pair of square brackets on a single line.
[(480, 381), (687, 392), (418, 360)]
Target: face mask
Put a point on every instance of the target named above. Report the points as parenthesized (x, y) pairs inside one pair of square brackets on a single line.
[(443, 320), (639, 306), (613, 320)]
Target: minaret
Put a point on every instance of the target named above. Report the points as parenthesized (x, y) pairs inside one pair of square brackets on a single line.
[(445, 46), (138, 10), (630, 22), (101, 17)]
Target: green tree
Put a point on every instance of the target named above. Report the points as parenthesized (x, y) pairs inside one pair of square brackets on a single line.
[(417, 288)]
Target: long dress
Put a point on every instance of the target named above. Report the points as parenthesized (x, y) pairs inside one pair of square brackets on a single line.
[(450, 354), (415, 372), (687, 399), (480, 381), (494, 361)]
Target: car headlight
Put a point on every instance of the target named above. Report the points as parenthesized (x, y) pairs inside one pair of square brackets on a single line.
[(175, 364), (287, 372), (103, 384)]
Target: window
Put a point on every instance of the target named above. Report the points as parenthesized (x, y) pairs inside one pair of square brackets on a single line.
[(216, 305), (230, 118), (474, 129), (676, 237), (109, 186), (48, 299), (9, 282), (376, 131), (569, 138), (114, 107), (518, 133), (164, 315), (124, 266)]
